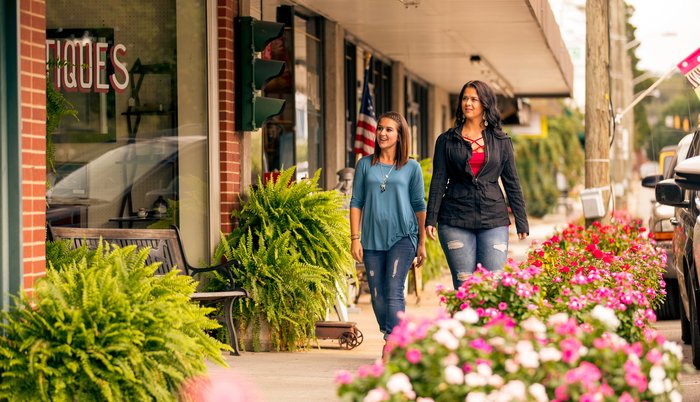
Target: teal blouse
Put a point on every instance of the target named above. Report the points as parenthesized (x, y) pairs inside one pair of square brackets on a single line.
[(389, 215)]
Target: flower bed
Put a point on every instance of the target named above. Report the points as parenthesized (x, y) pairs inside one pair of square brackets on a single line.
[(595, 288), (459, 358), (574, 271)]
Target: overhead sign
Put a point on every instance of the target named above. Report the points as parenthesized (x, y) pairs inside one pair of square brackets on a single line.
[(537, 127), (690, 67), (87, 65)]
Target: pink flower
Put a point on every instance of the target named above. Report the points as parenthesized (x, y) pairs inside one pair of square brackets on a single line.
[(570, 348), (654, 355), (634, 376), (343, 377), (625, 397), (413, 355), (481, 344), (502, 306)]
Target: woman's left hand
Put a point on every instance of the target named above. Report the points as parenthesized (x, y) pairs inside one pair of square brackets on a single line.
[(421, 255), (522, 236)]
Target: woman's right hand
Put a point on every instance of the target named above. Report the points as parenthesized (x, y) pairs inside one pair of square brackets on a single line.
[(430, 231), (357, 252)]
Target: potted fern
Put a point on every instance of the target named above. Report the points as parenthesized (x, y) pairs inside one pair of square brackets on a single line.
[(103, 327), (293, 242)]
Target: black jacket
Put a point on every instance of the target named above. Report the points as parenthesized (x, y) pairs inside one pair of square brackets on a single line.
[(457, 198)]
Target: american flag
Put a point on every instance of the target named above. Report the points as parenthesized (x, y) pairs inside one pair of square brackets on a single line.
[(366, 122)]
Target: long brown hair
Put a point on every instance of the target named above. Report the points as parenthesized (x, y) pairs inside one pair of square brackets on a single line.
[(404, 140)]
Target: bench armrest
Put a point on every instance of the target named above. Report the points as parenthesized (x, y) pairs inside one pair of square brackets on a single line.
[(224, 269)]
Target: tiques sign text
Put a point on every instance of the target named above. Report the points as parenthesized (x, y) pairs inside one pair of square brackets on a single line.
[(82, 65)]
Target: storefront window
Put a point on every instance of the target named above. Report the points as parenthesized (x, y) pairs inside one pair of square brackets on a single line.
[(295, 137), (136, 155), (417, 117)]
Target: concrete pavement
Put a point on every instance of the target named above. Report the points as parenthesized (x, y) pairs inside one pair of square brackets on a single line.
[(308, 376)]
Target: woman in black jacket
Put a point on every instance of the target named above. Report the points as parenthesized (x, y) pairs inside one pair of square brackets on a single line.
[(465, 197)]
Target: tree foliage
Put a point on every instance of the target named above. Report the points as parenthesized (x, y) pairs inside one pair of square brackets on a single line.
[(540, 159)]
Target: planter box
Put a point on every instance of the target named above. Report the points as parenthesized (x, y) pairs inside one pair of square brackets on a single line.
[(246, 338)]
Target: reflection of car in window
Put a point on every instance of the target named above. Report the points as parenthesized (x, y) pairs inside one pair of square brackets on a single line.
[(121, 181)]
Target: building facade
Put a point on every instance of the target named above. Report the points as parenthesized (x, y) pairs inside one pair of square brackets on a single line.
[(153, 141)]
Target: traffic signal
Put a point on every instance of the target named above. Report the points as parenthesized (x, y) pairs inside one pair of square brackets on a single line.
[(253, 73)]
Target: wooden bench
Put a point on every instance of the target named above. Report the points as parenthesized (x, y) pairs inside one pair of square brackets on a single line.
[(166, 248)]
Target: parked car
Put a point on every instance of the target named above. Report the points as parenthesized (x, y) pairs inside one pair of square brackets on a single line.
[(661, 230), (681, 192)]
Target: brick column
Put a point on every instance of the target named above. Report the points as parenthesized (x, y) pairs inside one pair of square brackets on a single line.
[(230, 140), (33, 131)]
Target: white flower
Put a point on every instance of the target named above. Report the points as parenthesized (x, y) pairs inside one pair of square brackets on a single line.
[(484, 369), (676, 396), (674, 348), (534, 325), (558, 319), (668, 385), (607, 316), (376, 395), (657, 373), (550, 354), (475, 397), (515, 389), (399, 383), (450, 360), (656, 387), (495, 381), (475, 380), (467, 315), (454, 375), (446, 338), (511, 366), (539, 392), (422, 399)]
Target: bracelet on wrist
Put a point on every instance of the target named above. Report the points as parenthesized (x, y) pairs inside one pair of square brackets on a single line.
[(354, 237)]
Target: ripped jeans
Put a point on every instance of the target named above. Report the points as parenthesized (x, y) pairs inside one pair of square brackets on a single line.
[(464, 248), (386, 277)]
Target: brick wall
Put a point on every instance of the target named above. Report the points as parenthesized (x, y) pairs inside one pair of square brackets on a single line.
[(230, 146), (33, 130)]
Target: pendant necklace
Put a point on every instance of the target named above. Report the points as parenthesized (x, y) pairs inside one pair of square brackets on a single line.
[(382, 185)]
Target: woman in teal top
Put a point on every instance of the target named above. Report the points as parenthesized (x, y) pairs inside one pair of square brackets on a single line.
[(389, 198)]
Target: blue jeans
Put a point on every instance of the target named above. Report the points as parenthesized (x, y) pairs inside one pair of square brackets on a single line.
[(464, 248), (386, 277)]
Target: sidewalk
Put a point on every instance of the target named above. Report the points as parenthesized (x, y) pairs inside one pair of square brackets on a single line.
[(308, 376)]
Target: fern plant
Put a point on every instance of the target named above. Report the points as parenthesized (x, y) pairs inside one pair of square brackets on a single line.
[(304, 231), (105, 328), (288, 294)]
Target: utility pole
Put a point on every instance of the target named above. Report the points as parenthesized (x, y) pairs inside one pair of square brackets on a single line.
[(597, 99), (622, 93)]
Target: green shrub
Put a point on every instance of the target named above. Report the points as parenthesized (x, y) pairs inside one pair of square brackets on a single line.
[(287, 293), (293, 240), (105, 328), (60, 253)]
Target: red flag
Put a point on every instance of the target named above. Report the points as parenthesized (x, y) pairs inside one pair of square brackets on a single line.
[(690, 67), (366, 122)]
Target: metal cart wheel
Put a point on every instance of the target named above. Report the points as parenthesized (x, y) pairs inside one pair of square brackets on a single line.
[(358, 337), (347, 340)]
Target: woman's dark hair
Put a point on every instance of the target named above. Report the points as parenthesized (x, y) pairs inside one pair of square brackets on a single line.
[(488, 101), (404, 139)]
